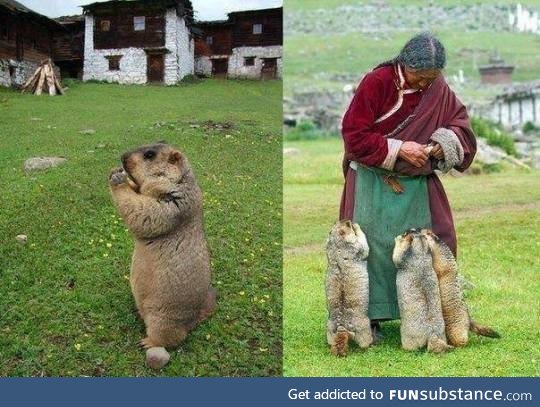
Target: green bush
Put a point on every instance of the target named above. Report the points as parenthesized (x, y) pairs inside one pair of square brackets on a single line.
[(190, 80), (306, 130), (494, 135), (529, 127)]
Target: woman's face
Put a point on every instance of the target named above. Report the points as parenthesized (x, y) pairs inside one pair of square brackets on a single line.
[(420, 78)]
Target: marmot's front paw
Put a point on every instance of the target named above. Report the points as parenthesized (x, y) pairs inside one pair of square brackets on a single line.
[(117, 176)]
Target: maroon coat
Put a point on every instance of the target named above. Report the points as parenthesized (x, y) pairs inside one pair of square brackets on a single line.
[(420, 114)]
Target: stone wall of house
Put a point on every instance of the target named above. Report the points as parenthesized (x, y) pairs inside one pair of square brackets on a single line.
[(171, 58), (185, 48), (96, 65), (22, 71), (238, 69), (203, 65), (179, 61)]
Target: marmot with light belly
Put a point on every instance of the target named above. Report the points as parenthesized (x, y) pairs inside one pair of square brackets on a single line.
[(418, 295), (347, 288), (158, 197), (455, 312)]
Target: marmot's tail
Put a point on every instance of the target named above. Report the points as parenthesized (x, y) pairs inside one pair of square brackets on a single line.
[(483, 330), (340, 347)]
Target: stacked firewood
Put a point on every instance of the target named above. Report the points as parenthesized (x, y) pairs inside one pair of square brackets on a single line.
[(43, 80)]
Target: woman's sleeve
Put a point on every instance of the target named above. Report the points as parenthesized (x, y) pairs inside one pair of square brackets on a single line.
[(362, 143), (457, 141), (467, 140)]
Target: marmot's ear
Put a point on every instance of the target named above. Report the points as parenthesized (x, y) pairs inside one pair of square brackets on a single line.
[(175, 157)]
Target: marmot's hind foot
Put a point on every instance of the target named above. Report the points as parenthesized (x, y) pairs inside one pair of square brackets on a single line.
[(147, 343), (364, 339), (437, 345)]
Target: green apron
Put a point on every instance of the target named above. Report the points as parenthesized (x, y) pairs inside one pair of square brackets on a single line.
[(383, 214)]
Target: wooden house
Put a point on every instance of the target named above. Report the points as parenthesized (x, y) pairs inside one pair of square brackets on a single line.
[(26, 39), (68, 48), (213, 48), (138, 41), (249, 44)]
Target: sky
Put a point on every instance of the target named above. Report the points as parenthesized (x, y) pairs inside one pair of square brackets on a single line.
[(204, 9)]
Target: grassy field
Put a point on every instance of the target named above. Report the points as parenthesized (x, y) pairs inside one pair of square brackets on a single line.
[(65, 304), (497, 218), (317, 60), (297, 5)]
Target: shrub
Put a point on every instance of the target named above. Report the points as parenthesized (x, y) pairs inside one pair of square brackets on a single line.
[(190, 80), (529, 127), (493, 134)]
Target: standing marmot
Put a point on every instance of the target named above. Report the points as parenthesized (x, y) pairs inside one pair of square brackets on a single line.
[(158, 197), (347, 288), (455, 311), (418, 294)]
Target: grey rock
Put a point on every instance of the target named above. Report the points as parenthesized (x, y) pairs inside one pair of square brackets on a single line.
[(157, 357), (88, 131), (488, 154), (291, 151), (22, 239), (42, 163)]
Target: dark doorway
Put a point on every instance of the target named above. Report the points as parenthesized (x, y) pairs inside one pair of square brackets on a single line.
[(156, 68), (220, 67), (269, 68)]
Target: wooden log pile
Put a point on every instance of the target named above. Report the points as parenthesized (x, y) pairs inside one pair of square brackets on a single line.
[(43, 80)]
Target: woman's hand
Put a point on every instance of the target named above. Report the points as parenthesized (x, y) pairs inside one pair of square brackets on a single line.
[(413, 153), (437, 152)]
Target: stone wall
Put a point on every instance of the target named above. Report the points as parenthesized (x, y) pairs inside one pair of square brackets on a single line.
[(179, 61), (96, 66), (203, 65), (514, 113), (237, 68), (185, 49), (22, 71)]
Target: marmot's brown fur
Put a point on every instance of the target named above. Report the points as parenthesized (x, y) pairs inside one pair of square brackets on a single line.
[(455, 312), (418, 296), (158, 197), (347, 288)]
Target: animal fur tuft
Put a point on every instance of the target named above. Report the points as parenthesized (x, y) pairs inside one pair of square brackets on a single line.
[(484, 330)]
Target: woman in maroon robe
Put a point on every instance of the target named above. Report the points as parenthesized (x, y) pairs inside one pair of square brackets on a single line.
[(402, 124)]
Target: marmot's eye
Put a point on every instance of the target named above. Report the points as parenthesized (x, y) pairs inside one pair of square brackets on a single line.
[(148, 155)]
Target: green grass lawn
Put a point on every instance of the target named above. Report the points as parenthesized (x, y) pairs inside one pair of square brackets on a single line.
[(497, 218), (65, 304)]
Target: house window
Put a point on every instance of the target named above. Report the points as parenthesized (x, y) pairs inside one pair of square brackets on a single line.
[(257, 28), (249, 61), (114, 62), (209, 40), (105, 25), (138, 23)]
